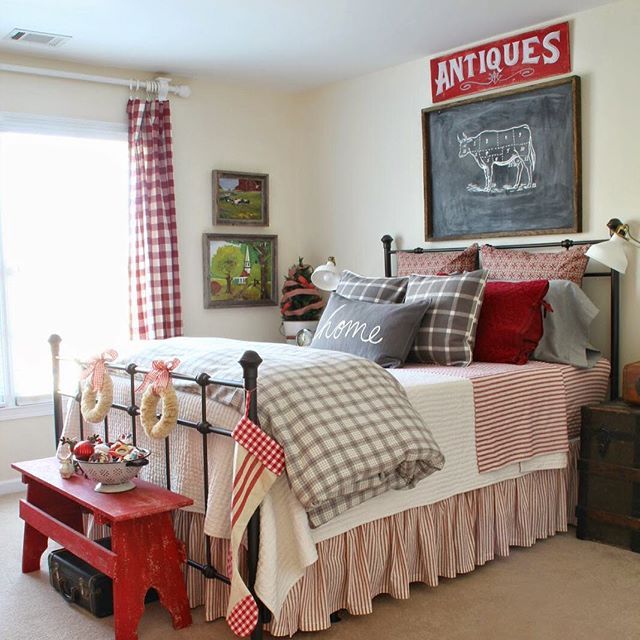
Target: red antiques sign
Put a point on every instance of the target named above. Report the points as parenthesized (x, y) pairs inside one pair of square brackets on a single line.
[(521, 58)]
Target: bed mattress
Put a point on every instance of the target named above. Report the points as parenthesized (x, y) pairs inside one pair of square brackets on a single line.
[(462, 407)]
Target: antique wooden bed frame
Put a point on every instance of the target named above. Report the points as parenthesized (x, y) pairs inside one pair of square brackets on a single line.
[(250, 361)]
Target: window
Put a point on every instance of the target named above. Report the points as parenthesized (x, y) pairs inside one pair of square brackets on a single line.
[(63, 247)]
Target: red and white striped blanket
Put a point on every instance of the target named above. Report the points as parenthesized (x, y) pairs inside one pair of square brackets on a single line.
[(525, 411)]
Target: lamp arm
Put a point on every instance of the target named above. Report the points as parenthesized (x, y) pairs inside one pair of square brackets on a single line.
[(621, 229), (633, 240)]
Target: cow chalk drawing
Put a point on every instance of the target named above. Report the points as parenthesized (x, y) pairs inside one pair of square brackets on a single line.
[(506, 148)]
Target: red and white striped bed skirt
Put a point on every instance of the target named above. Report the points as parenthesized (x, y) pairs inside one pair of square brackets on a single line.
[(419, 545)]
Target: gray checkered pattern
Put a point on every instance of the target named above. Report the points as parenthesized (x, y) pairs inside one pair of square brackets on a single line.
[(448, 329), (347, 427), (366, 289)]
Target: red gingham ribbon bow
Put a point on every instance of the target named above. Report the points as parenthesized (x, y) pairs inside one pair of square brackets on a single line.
[(96, 368), (159, 377)]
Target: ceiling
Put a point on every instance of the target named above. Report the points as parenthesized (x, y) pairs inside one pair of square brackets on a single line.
[(286, 44)]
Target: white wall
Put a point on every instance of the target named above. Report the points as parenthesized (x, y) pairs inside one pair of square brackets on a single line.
[(345, 165), (218, 127), (364, 142)]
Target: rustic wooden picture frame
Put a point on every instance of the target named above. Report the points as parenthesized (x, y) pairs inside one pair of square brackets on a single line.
[(464, 198), (228, 282), (240, 198)]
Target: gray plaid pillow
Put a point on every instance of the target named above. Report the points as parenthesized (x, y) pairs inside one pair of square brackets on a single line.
[(364, 289), (448, 329)]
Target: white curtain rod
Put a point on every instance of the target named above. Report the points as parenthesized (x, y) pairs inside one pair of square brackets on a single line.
[(161, 86)]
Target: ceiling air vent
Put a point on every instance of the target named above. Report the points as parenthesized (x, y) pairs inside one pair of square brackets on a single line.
[(37, 38)]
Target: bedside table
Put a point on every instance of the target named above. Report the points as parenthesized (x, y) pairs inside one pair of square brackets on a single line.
[(609, 470)]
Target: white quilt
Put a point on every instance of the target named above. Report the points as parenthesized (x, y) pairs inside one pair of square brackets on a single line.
[(287, 544)]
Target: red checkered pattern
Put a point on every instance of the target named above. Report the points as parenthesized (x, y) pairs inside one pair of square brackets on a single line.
[(160, 375), (244, 617), (96, 368), (250, 436), (154, 279)]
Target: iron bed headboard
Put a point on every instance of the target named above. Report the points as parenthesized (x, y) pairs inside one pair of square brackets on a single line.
[(614, 294), (250, 361)]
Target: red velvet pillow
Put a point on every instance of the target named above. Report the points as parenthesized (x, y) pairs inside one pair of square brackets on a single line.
[(510, 324)]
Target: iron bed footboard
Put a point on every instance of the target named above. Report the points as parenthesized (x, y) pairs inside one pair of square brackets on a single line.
[(250, 361)]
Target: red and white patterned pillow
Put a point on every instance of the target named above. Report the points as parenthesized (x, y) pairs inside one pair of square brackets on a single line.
[(511, 264), (431, 264)]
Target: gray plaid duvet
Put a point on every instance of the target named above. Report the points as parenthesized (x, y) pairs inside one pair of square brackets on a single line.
[(347, 427)]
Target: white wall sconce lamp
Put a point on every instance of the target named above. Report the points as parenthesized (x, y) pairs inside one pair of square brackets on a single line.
[(612, 253), (326, 276)]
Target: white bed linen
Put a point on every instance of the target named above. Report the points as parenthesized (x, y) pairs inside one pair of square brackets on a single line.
[(287, 543)]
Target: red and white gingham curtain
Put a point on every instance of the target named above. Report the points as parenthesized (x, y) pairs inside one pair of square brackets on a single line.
[(154, 280)]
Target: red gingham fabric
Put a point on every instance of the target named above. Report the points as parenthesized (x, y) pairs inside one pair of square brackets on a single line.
[(160, 375), (259, 444), (96, 369), (154, 280), (244, 617)]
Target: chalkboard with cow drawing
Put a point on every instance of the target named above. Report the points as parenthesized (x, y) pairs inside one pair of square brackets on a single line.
[(507, 164)]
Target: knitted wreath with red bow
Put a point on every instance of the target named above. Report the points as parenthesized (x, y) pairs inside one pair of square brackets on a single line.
[(158, 387), (97, 393)]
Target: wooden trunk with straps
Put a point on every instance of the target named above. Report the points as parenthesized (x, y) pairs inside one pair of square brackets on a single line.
[(609, 471)]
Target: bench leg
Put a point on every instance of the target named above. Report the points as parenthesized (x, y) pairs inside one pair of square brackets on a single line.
[(33, 546), (148, 555), (170, 583), (128, 605), (35, 543)]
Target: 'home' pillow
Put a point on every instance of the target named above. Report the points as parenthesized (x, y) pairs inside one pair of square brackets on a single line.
[(382, 333), (431, 264), (364, 289), (510, 324), (511, 264), (448, 329)]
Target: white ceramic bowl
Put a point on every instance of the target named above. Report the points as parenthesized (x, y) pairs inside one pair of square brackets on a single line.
[(113, 477)]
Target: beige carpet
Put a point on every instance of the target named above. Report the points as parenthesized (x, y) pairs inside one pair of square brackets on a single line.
[(562, 588)]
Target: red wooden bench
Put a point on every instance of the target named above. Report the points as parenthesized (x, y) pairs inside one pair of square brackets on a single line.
[(145, 552)]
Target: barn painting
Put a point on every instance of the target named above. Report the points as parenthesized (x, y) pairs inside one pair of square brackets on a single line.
[(240, 198), (504, 165)]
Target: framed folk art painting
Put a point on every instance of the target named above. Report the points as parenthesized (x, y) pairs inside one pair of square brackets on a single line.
[(239, 270), (506, 164), (240, 198)]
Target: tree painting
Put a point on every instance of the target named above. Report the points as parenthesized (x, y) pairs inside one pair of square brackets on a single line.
[(262, 249), (228, 261), (239, 270)]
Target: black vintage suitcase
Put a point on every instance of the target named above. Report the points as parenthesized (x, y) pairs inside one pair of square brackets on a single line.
[(80, 583), (609, 469)]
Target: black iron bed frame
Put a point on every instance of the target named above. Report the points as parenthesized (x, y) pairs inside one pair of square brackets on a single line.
[(250, 361)]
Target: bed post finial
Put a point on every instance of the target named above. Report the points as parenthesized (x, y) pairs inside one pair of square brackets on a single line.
[(386, 242), (54, 343), (250, 361)]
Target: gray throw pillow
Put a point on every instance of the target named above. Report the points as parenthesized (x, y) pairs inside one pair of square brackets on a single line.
[(367, 289), (448, 329), (382, 333), (565, 337)]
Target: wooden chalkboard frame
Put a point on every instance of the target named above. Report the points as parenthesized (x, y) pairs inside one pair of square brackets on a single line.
[(571, 220)]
